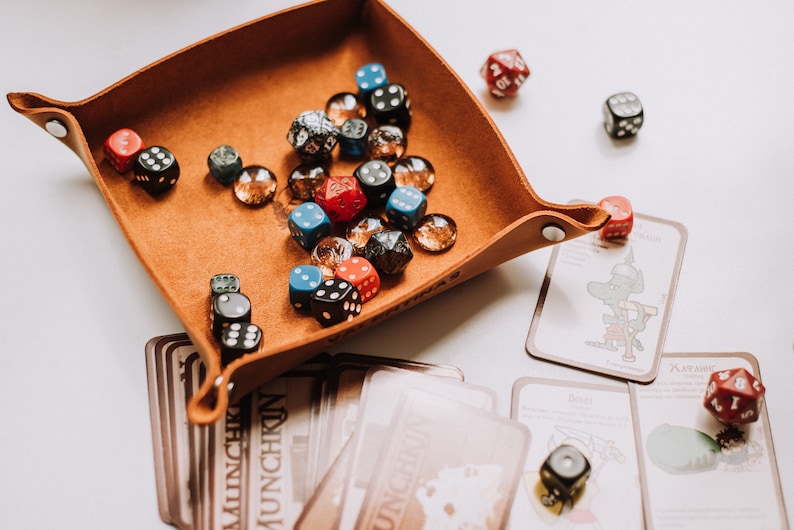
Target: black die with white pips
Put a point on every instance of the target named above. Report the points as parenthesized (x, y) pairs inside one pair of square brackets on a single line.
[(335, 301), (228, 308), (237, 339), (623, 115), (156, 169), (564, 472)]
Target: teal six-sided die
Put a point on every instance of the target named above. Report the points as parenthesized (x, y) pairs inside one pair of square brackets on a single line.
[(405, 207), (308, 224), (303, 281)]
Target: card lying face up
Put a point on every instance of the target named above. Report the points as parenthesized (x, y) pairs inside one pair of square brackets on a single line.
[(604, 304)]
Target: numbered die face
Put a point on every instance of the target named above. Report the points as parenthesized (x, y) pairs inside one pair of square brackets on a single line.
[(391, 105), (405, 207), (505, 72), (341, 198), (228, 308), (335, 301), (623, 115), (156, 169), (308, 224), (224, 163), (224, 283), (362, 274), (622, 220), (237, 339), (377, 181), (121, 148), (313, 135), (389, 251), (734, 396), (565, 471), (369, 77), (303, 281)]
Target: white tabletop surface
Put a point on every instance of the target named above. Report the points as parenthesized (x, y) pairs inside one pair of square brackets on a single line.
[(716, 154)]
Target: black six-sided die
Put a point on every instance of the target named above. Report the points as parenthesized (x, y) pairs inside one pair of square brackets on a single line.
[(224, 283), (377, 181), (156, 169), (564, 472), (237, 339), (391, 105), (228, 308), (623, 115), (335, 301)]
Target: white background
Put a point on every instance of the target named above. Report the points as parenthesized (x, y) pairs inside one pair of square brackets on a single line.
[(716, 78)]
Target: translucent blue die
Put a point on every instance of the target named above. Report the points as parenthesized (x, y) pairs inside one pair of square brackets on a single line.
[(303, 281), (369, 77), (308, 224), (405, 207)]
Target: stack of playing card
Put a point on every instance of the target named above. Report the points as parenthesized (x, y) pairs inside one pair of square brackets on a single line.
[(348, 441)]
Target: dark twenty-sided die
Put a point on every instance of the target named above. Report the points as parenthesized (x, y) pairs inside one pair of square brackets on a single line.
[(228, 308), (224, 163), (388, 251), (335, 301), (313, 135), (237, 339), (377, 181), (156, 169), (623, 115), (563, 473), (391, 105)]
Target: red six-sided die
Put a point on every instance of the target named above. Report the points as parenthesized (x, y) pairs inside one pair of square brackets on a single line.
[(622, 220), (362, 274), (734, 396), (504, 72), (341, 198), (121, 147)]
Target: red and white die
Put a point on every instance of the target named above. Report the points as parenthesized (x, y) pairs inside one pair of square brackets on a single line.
[(622, 220), (360, 272), (121, 148), (504, 72), (734, 396)]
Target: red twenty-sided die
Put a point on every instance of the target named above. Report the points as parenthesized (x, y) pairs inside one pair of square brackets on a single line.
[(622, 217), (504, 72), (734, 396), (362, 274), (121, 147), (341, 198)]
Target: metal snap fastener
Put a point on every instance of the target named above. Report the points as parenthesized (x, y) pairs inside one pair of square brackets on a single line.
[(553, 232), (56, 128)]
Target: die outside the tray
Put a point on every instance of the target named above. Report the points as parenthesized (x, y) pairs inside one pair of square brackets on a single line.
[(273, 69)]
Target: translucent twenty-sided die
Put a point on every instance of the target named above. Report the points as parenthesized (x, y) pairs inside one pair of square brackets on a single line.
[(224, 163), (121, 148), (564, 472), (353, 137), (504, 73), (389, 251), (156, 169), (623, 115), (313, 135), (391, 105), (360, 272), (435, 232), (734, 396), (224, 283), (414, 171), (303, 281), (228, 308), (255, 185), (387, 142), (237, 339), (344, 106), (341, 197), (405, 206), (377, 181), (329, 252), (369, 77), (308, 224), (360, 229), (622, 220), (335, 301), (305, 180)]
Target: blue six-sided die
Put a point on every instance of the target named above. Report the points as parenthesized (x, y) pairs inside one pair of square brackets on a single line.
[(369, 77), (308, 224), (303, 281), (405, 207)]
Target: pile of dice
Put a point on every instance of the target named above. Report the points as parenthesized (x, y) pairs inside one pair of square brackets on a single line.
[(344, 272), (231, 318)]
